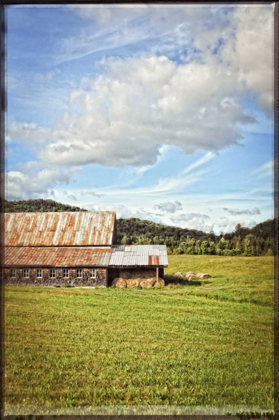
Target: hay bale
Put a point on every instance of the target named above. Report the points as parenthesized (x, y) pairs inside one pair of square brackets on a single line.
[(203, 276), (179, 275), (147, 283), (119, 282), (159, 283), (132, 283)]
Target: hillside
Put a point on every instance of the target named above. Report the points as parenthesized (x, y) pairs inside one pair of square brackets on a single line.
[(258, 240), (40, 204)]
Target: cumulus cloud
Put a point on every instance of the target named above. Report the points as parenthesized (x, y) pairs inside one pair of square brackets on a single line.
[(249, 52), (169, 207), (139, 104), (235, 212), (125, 212), (207, 224), (227, 226), (24, 184), (196, 221), (241, 37), (27, 132)]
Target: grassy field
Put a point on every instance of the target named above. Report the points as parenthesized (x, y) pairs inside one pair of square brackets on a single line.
[(208, 344)]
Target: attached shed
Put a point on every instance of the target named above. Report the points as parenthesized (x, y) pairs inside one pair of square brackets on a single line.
[(137, 261), (75, 248)]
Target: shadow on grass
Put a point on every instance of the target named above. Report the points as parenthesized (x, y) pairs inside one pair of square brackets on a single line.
[(170, 279)]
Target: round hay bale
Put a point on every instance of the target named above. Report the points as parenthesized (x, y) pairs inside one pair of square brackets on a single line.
[(132, 283), (159, 283), (148, 283), (180, 275), (203, 276), (206, 276), (120, 282), (114, 281)]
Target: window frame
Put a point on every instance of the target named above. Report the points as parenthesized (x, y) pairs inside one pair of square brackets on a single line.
[(81, 273), (91, 271), (41, 272), (11, 271), (63, 273), (51, 270), (26, 270)]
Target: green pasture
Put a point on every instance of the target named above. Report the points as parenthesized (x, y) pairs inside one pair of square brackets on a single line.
[(208, 343)]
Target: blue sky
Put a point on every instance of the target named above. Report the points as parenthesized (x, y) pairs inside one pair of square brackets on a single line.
[(163, 113)]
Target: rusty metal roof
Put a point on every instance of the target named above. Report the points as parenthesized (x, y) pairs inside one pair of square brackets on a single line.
[(85, 256), (56, 256), (59, 228), (139, 255)]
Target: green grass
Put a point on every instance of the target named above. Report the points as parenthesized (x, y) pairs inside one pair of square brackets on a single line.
[(205, 345)]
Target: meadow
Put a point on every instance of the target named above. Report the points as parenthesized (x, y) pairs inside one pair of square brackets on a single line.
[(207, 343)]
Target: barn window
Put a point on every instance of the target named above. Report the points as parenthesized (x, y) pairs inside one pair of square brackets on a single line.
[(52, 273), (26, 273), (65, 273), (39, 273), (93, 273), (79, 273), (12, 272)]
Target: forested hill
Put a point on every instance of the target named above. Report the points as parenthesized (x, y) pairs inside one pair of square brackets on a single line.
[(133, 228), (40, 204), (258, 240)]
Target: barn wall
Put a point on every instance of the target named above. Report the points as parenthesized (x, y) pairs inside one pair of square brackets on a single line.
[(101, 279)]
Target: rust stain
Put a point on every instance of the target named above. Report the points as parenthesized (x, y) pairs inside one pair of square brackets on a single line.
[(58, 229), (52, 256)]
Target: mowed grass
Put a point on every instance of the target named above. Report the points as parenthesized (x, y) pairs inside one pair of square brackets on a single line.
[(209, 344)]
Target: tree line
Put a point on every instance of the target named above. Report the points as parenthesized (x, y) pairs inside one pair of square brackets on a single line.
[(255, 241), (258, 240)]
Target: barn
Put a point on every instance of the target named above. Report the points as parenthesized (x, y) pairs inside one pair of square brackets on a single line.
[(74, 248)]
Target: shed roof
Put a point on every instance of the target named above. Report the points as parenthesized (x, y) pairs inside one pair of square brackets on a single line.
[(139, 255), (59, 228), (56, 256)]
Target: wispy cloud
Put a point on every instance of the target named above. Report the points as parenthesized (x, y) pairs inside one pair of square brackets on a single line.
[(235, 212), (265, 170)]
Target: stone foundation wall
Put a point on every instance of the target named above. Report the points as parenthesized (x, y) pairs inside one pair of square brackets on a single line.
[(59, 280)]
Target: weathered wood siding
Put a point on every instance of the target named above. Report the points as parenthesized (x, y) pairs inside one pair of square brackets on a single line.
[(59, 280)]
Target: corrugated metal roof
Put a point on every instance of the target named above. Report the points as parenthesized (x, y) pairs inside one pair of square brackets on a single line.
[(59, 228), (139, 255), (56, 256), (83, 256)]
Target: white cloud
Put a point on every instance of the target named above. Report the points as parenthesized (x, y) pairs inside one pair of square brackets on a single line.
[(249, 52), (197, 221), (265, 170), (140, 104), (240, 37), (30, 183), (227, 226), (46, 77), (27, 132), (125, 212), (235, 212), (169, 207)]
